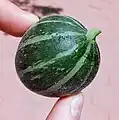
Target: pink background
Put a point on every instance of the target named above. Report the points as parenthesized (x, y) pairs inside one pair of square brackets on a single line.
[(101, 97)]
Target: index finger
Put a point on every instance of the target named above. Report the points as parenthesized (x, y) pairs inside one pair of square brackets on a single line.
[(13, 20)]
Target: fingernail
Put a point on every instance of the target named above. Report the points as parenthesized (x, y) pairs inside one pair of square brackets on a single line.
[(76, 106), (31, 17)]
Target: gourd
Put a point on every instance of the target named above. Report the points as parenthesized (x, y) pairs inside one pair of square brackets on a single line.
[(58, 56)]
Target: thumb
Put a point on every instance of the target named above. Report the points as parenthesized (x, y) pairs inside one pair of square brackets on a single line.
[(67, 108), (13, 20)]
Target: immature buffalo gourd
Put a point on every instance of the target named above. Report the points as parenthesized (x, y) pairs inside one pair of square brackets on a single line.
[(57, 56)]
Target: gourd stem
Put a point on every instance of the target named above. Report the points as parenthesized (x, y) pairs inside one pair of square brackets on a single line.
[(93, 33)]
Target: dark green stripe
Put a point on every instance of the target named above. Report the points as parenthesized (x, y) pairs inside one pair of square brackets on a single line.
[(40, 64), (65, 19), (88, 73), (48, 37), (71, 73)]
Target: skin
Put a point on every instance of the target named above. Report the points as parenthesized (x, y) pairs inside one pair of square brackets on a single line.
[(15, 22)]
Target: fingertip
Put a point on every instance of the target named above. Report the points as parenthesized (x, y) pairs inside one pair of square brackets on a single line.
[(76, 106), (25, 21), (13, 20), (67, 108), (30, 17)]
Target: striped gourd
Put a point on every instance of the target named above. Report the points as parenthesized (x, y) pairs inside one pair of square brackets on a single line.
[(57, 56)]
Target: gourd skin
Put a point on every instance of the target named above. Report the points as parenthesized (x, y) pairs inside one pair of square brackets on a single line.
[(55, 58)]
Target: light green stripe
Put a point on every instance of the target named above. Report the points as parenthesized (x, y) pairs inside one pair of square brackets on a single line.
[(77, 67), (39, 65), (85, 79), (56, 21), (76, 22), (59, 21), (37, 76), (47, 37)]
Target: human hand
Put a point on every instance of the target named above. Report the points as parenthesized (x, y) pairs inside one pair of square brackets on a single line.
[(15, 22)]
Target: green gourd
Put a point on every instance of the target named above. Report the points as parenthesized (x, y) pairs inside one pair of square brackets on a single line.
[(57, 56)]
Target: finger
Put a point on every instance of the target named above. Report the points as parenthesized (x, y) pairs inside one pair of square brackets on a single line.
[(13, 20), (68, 108)]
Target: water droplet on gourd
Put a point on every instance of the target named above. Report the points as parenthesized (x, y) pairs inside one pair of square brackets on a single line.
[(43, 32)]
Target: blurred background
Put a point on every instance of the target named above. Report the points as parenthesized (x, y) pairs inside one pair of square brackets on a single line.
[(101, 96)]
